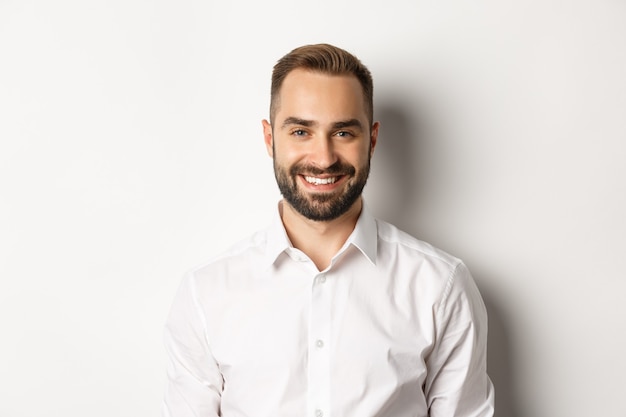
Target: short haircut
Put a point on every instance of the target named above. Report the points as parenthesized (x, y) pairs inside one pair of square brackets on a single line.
[(327, 59)]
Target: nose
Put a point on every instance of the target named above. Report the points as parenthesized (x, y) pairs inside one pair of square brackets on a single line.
[(323, 152)]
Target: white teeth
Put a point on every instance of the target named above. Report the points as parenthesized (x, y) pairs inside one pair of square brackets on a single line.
[(320, 181)]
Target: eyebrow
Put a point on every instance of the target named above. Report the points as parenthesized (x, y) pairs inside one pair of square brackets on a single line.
[(348, 123), (290, 121)]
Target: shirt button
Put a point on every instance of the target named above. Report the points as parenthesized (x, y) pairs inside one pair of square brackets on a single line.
[(319, 413), (320, 344), (323, 279)]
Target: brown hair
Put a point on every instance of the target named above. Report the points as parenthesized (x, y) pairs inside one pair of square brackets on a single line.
[(327, 59)]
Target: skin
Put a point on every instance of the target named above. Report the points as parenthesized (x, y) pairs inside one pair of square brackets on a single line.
[(320, 124)]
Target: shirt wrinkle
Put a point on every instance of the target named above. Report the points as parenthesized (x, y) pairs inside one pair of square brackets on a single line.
[(198, 309), (449, 284)]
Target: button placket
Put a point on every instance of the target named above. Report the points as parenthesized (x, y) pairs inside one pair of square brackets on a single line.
[(319, 354)]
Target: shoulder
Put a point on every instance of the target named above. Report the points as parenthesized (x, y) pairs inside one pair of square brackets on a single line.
[(430, 266), (436, 272), (426, 277), (243, 254), (395, 240)]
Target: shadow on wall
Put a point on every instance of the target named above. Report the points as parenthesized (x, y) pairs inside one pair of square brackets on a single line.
[(390, 189), (500, 358), (400, 171)]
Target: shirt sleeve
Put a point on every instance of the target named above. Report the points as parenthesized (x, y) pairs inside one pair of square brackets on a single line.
[(457, 383), (194, 382)]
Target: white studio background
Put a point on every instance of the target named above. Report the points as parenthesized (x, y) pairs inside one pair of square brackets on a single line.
[(131, 150)]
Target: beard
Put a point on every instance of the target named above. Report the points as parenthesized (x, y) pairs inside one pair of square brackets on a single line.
[(323, 206)]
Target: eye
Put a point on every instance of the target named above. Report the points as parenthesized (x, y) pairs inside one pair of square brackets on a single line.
[(298, 132), (344, 134)]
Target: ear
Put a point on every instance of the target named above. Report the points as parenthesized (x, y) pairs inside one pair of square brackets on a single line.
[(267, 136), (374, 137)]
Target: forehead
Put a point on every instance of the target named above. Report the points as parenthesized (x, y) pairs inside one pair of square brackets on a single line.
[(315, 95)]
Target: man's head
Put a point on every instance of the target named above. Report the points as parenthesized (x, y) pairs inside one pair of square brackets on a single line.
[(321, 135), (325, 59)]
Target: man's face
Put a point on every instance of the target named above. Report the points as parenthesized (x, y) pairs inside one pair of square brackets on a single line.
[(321, 143)]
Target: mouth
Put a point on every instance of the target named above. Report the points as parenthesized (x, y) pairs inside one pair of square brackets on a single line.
[(323, 183), (317, 180), (320, 181)]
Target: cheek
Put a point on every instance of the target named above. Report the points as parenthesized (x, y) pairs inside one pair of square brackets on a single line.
[(361, 157), (287, 155)]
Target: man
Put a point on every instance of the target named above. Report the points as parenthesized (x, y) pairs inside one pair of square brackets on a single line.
[(328, 312)]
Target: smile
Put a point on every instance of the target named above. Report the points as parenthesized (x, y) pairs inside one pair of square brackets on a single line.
[(320, 181)]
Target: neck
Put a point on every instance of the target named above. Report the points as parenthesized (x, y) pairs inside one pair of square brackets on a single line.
[(319, 240)]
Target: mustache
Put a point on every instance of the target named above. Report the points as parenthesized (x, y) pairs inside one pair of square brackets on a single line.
[(337, 168)]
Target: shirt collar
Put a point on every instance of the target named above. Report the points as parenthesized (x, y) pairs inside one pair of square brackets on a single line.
[(364, 236), (277, 239)]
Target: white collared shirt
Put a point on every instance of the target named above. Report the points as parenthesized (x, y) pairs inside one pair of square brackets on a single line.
[(392, 328)]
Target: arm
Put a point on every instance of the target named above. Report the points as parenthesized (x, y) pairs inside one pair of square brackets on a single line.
[(457, 384), (194, 382)]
